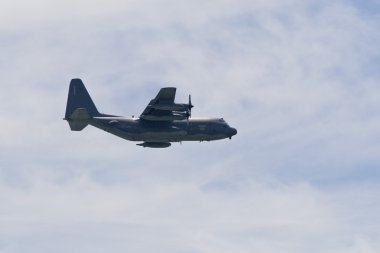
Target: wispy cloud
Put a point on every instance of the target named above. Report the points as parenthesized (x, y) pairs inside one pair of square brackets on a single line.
[(298, 79)]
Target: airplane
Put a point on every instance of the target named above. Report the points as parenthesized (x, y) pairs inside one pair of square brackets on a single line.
[(163, 121)]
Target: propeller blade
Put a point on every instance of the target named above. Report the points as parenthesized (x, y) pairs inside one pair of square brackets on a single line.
[(190, 106)]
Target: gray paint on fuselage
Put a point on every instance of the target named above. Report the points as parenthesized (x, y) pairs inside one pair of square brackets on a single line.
[(161, 122), (135, 129)]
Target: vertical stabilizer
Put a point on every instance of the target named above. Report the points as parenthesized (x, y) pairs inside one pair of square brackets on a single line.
[(80, 108), (79, 98)]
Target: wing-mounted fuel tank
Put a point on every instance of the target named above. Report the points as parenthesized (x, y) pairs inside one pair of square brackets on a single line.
[(155, 144)]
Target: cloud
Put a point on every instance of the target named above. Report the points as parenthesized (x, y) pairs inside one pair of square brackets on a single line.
[(298, 80), (182, 216)]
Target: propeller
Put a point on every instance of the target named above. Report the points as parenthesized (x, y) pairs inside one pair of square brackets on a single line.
[(189, 106), (188, 113)]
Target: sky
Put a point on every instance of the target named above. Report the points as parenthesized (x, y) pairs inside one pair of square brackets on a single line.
[(298, 79)]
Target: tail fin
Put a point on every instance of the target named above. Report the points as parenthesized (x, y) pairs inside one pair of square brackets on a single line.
[(80, 107)]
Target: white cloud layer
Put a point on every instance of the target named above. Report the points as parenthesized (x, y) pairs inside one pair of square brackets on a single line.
[(298, 79)]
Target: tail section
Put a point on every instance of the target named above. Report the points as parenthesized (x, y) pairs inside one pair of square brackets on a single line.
[(80, 108), (78, 119)]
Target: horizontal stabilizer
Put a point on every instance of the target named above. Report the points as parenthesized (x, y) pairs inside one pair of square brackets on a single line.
[(77, 126), (80, 114), (78, 119)]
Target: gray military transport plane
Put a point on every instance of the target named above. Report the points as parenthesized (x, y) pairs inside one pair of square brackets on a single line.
[(161, 123)]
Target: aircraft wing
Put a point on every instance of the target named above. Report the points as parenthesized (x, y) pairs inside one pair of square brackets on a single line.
[(159, 108)]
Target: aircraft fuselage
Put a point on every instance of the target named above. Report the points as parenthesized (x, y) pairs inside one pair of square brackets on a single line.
[(163, 121), (135, 129)]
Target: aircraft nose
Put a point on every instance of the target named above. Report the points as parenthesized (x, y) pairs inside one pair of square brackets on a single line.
[(232, 131)]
